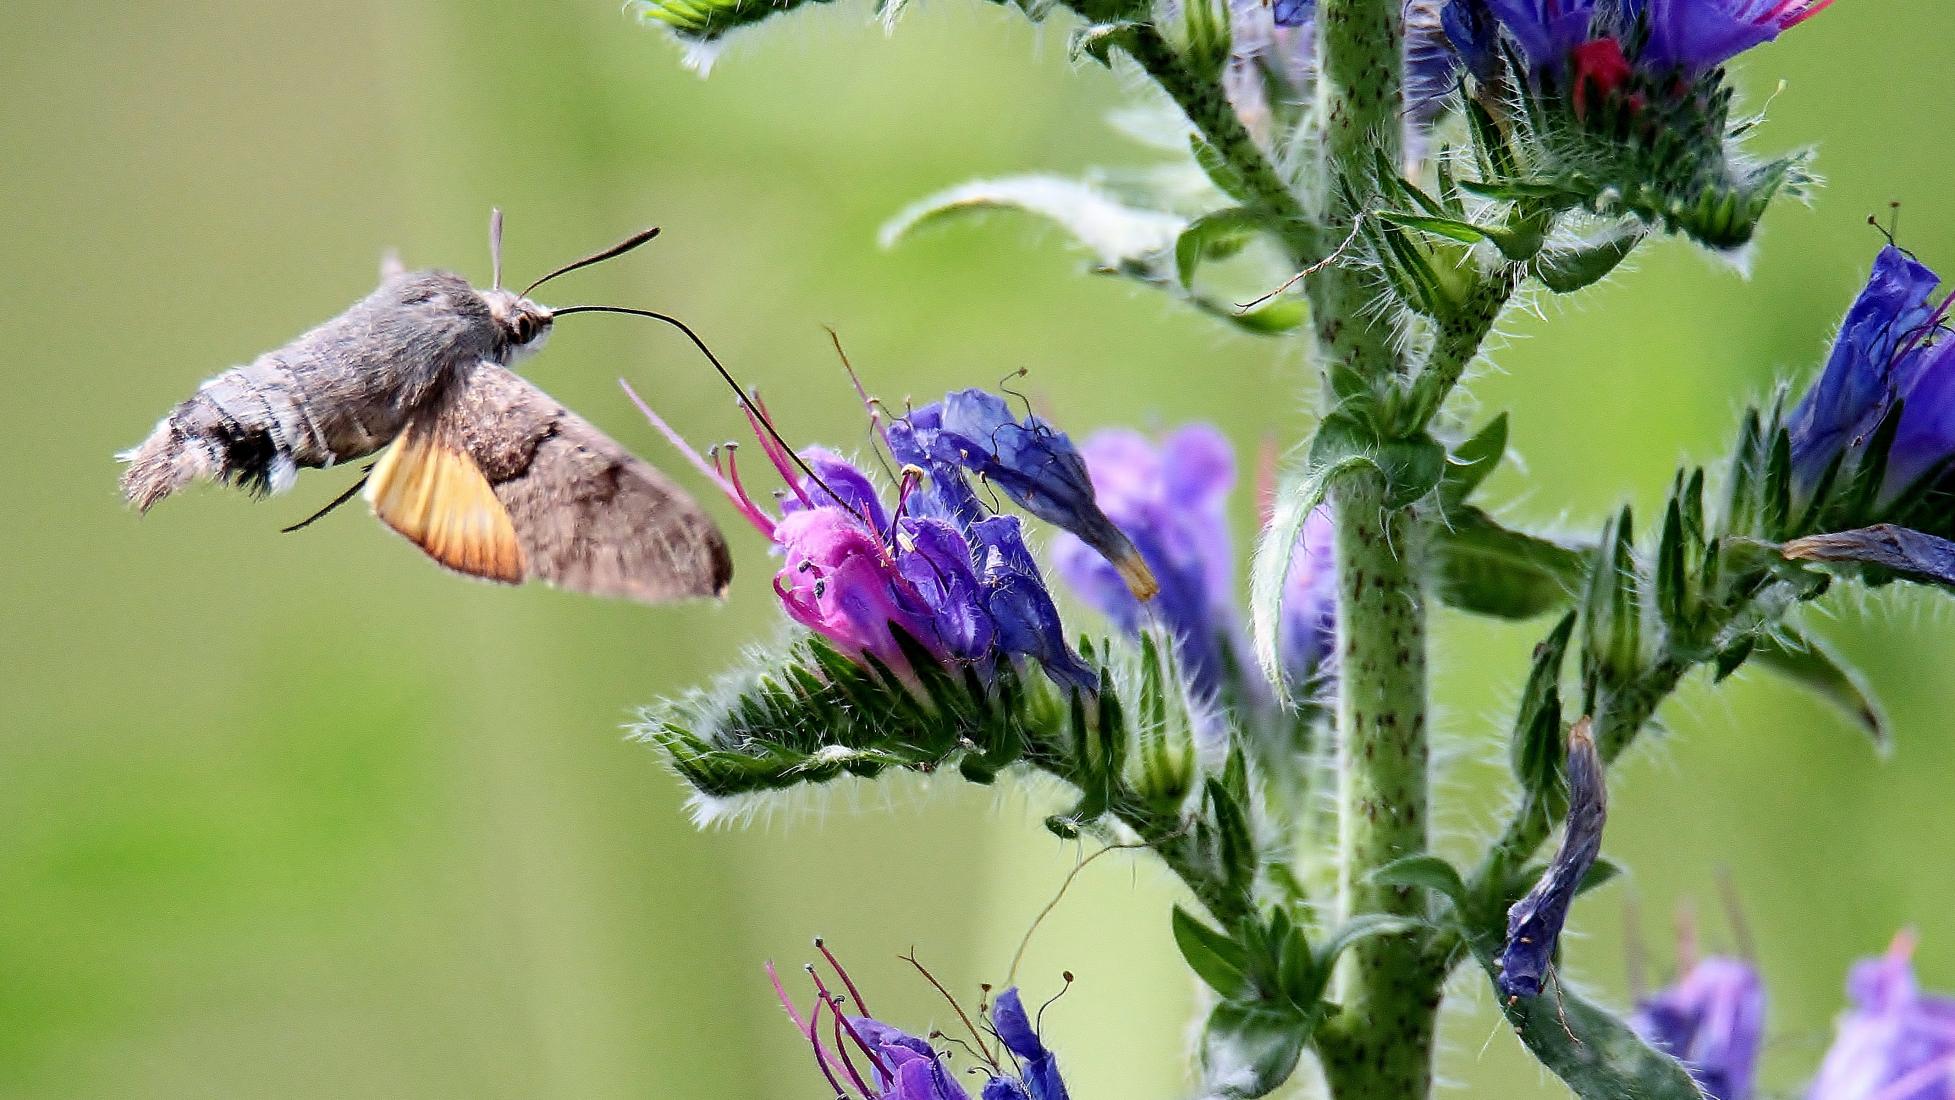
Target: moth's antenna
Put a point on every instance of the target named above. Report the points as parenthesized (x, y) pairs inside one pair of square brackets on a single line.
[(495, 248), (751, 405), (612, 252)]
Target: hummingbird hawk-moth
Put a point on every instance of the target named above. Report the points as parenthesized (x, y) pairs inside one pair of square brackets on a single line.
[(486, 473)]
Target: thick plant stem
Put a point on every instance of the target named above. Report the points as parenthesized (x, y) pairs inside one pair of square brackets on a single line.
[(1214, 118), (1379, 1046), (1359, 96)]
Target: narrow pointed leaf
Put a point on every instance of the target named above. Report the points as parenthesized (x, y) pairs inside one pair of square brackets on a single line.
[(1566, 270), (1469, 463), (1425, 872), (1812, 664), (1493, 570)]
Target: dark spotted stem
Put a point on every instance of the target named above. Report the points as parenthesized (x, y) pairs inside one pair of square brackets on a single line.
[(1379, 1044)]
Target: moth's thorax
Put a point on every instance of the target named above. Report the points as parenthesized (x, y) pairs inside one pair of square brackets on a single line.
[(522, 325)]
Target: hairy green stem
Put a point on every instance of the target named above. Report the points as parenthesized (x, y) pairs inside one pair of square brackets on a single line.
[(1359, 97), (1214, 118), (1379, 1045)]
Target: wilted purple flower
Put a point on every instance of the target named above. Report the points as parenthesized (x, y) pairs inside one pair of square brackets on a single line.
[(1171, 499), (863, 1058), (1534, 923), (1890, 348), (1581, 40), (1911, 554), (935, 567), (1713, 1021), (1895, 1043), (1035, 465)]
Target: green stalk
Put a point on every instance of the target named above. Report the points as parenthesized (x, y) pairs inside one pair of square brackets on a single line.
[(1379, 1045), (1214, 118), (1359, 105)]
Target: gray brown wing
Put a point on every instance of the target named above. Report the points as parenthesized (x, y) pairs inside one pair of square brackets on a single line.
[(585, 513)]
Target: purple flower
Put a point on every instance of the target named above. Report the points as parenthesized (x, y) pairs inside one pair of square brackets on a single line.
[(862, 1058), (1895, 1043), (842, 580), (1039, 1069), (1713, 1021), (1035, 465), (1657, 37), (1697, 35), (1171, 499), (1019, 605), (1534, 923), (1890, 348), (935, 567)]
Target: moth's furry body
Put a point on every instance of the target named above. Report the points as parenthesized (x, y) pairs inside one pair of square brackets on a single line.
[(340, 392), (486, 474)]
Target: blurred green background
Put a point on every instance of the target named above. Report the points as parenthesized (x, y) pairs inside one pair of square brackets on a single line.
[(297, 815)]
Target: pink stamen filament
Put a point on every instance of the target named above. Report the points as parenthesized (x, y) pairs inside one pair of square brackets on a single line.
[(805, 1027), (1919, 333), (738, 496), (742, 498), (825, 1060), (834, 1008), (762, 421), (861, 1006), (842, 1023)]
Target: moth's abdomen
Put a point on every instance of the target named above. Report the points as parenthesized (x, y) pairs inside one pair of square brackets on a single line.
[(249, 427), (339, 392)]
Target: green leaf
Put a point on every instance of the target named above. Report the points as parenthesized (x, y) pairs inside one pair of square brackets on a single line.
[(1216, 235), (1811, 663), (1362, 927), (1214, 957), (1493, 570), (700, 24), (1218, 169), (1234, 836), (1113, 231), (1514, 245), (1597, 1055), (1566, 270), (1280, 315), (1470, 462), (1539, 745), (1603, 872), (1249, 1050), (1612, 615), (1426, 873)]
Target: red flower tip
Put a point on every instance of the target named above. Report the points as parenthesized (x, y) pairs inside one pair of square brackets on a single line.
[(1600, 64)]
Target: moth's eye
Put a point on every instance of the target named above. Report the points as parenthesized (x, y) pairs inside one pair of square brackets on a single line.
[(523, 328)]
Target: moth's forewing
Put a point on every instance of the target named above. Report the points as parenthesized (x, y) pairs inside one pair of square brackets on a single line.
[(586, 514)]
